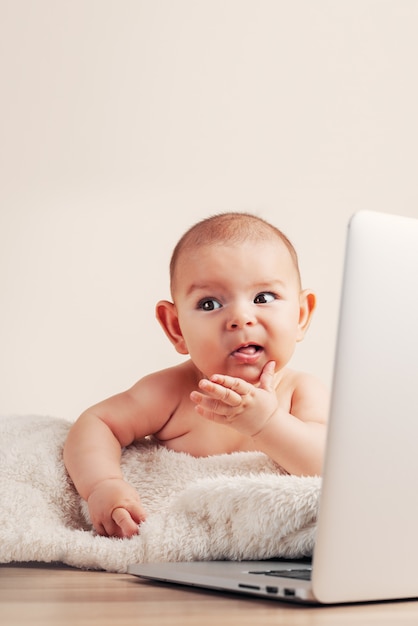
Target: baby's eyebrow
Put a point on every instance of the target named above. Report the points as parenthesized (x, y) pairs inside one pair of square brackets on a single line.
[(265, 285), (274, 283), (200, 287)]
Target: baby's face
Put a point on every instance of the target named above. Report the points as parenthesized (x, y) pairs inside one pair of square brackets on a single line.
[(239, 307)]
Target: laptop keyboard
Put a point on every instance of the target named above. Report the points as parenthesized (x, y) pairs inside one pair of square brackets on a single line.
[(300, 574)]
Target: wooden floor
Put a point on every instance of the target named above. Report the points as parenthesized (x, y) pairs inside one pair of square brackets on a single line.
[(47, 595)]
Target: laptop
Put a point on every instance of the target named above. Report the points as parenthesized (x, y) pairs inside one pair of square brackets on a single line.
[(366, 546)]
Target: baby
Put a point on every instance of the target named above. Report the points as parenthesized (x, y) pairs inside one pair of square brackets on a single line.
[(238, 310)]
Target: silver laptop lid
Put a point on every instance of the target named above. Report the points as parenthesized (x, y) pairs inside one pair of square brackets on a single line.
[(366, 546)]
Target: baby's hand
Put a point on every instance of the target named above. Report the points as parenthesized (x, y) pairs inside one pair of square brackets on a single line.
[(237, 403), (115, 508)]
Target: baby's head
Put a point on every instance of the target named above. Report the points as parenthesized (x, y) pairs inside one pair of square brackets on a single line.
[(237, 298), (227, 229)]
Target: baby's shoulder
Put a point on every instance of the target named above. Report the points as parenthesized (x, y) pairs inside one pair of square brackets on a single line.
[(300, 383), (309, 395), (295, 378), (156, 396), (173, 381)]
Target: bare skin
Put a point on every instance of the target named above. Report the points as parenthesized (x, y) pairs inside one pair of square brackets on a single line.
[(236, 392)]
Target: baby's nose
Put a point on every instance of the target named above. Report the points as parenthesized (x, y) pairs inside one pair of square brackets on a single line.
[(240, 318)]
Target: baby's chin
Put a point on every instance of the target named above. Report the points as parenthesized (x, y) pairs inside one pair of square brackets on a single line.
[(250, 374)]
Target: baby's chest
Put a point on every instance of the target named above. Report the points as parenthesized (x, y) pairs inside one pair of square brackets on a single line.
[(189, 432)]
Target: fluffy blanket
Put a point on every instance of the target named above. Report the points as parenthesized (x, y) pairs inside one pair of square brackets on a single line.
[(233, 507)]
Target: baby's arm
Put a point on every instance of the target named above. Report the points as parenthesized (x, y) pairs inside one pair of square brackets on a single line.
[(294, 438), (92, 454)]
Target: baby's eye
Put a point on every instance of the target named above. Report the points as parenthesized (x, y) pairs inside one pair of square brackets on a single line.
[(264, 298), (209, 304)]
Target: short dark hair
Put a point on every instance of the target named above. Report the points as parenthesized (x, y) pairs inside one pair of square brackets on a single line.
[(228, 228)]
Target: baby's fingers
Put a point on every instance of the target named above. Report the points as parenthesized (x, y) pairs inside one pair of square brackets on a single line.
[(108, 528), (238, 385), (267, 376), (126, 526), (217, 391)]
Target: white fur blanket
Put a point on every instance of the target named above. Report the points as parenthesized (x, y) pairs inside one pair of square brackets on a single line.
[(231, 507)]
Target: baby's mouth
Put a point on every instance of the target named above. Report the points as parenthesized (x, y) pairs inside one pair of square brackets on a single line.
[(247, 352), (251, 348)]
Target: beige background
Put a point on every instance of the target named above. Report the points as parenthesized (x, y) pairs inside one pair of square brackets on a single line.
[(122, 122)]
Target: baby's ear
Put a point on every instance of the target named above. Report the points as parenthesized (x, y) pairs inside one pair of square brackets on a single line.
[(166, 314), (307, 305)]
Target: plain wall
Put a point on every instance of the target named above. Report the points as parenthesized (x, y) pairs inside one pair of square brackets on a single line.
[(123, 122)]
